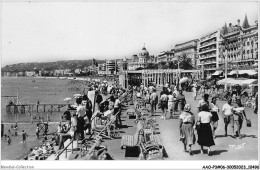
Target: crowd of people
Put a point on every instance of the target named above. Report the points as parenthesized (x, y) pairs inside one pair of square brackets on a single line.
[(172, 102)]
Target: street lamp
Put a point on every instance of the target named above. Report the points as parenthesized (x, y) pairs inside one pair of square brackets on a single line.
[(202, 68)]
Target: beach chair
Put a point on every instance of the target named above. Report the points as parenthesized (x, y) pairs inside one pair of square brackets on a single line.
[(104, 130), (131, 142)]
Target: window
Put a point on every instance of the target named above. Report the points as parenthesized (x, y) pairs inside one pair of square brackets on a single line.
[(248, 43), (247, 51), (252, 50)]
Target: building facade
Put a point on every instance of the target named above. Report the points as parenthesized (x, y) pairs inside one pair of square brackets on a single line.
[(160, 76), (165, 56), (239, 46), (208, 53), (141, 60), (189, 49)]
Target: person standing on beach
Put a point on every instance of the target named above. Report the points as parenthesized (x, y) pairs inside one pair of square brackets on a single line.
[(37, 131), (8, 140), (24, 135)]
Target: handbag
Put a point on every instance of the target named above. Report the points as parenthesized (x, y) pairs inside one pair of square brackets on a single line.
[(198, 125), (248, 123)]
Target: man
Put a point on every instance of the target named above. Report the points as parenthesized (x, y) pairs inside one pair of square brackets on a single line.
[(88, 106), (256, 103), (24, 135), (99, 99), (117, 108), (205, 100), (153, 101), (227, 114), (81, 112)]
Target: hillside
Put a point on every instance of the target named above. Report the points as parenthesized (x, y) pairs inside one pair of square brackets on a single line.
[(48, 66)]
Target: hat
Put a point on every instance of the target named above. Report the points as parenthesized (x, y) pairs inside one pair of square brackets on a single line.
[(187, 107)]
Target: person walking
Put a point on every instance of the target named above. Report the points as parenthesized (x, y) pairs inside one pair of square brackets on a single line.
[(170, 104), (194, 89), (187, 121), (181, 101), (227, 114), (154, 102), (239, 114), (163, 104), (214, 111), (204, 131), (256, 103), (203, 101)]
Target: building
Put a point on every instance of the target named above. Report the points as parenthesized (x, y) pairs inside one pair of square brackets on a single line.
[(141, 60), (240, 46), (110, 67), (165, 56), (189, 49), (208, 53), (159, 76), (30, 73)]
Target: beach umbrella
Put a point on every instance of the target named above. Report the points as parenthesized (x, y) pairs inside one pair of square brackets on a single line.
[(77, 95), (183, 80), (67, 99)]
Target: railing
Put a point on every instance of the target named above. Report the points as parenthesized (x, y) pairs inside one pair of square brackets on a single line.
[(29, 108), (57, 156)]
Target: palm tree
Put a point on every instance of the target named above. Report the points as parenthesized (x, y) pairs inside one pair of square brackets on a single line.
[(185, 62)]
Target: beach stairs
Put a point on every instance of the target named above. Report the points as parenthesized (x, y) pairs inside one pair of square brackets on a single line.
[(69, 154)]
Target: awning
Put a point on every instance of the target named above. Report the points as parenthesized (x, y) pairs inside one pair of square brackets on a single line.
[(217, 73), (232, 73), (232, 81), (249, 72)]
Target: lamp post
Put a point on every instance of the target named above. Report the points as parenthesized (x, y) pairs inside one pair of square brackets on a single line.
[(202, 68)]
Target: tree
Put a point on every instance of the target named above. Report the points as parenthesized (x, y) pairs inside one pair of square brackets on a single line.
[(173, 65), (162, 65), (185, 62), (151, 66)]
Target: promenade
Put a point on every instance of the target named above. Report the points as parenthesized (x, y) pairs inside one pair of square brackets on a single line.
[(226, 148)]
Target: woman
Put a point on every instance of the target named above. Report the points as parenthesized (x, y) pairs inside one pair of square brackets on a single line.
[(68, 130), (215, 118), (164, 104), (205, 137), (187, 120), (181, 101), (238, 113), (170, 104), (194, 89)]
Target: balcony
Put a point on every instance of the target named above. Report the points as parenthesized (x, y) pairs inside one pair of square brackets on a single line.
[(208, 44), (211, 56), (207, 38), (206, 51)]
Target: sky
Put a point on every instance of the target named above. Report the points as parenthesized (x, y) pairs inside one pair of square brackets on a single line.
[(52, 31)]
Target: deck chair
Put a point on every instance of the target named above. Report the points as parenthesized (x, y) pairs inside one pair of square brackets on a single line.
[(104, 129)]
